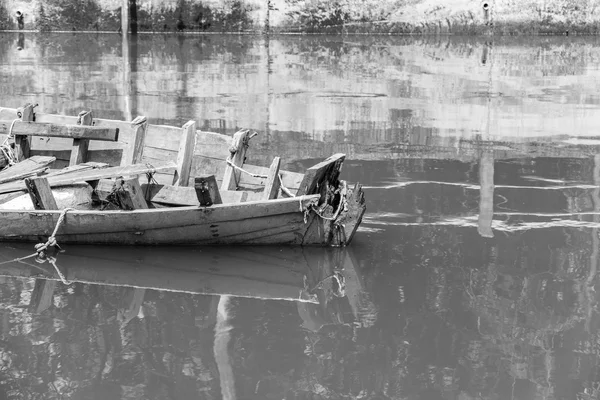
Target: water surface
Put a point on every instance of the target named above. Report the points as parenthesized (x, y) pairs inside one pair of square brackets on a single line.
[(473, 275)]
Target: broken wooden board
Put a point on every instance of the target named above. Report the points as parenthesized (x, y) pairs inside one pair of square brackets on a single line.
[(91, 175), (25, 168), (22, 128), (186, 196), (325, 171)]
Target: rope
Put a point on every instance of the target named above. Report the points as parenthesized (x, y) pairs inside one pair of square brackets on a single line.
[(232, 165), (40, 250), (41, 247), (283, 188)]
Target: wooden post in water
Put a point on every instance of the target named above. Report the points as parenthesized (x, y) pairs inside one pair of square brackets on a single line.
[(125, 17), (486, 195)]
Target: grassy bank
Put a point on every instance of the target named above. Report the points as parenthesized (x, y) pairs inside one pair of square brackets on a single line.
[(463, 17)]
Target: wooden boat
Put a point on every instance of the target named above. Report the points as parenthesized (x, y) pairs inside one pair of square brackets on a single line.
[(315, 208)]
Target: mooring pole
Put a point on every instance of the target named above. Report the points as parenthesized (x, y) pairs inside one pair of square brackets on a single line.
[(125, 17)]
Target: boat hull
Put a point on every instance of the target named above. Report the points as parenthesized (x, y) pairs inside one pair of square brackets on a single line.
[(282, 221)]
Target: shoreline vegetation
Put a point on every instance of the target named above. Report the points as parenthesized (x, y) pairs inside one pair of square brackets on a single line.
[(384, 17)]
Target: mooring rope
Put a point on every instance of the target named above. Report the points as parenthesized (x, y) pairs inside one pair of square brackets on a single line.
[(281, 185), (40, 249)]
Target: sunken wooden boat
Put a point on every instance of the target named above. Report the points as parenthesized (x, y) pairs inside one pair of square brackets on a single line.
[(199, 191)]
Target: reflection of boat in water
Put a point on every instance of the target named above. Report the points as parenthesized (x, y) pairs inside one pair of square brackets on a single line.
[(306, 276)]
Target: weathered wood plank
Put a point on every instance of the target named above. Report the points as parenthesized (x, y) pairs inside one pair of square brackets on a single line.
[(207, 191), (185, 155), (22, 128), (315, 176), (131, 196), (186, 196), (79, 167), (272, 186), (79, 149), (22, 145), (40, 193), (91, 175), (239, 146), (23, 169), (134, 151)]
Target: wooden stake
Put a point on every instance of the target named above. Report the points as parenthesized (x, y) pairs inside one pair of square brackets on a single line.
[(80, 146), (273, 183), (41, 193), (207, 191), (22, 145), (239, 145), (134, 151), (185, 154)]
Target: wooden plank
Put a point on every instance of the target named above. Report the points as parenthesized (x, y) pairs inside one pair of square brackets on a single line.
[(130, 194), (272, 186), (40, 193), (185, 154), (91, 175), (79, 167), (207, 191), (186, 196), (239, 146), (316, 176), (80, 147), (22, 128), (134, 151), (22, 145), (23, 169)]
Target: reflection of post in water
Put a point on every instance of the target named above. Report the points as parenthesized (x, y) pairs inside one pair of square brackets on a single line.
[(589, 282), (129, 51), (130, 304), (486, 194), (21, 41), (269, 62), (221, 349), (42, 295)]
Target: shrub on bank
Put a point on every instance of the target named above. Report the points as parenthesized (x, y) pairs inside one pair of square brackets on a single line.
[(67, 15), (6, 21), (190, 15)]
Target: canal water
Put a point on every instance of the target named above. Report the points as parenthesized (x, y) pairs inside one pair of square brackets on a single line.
[(474, 274)]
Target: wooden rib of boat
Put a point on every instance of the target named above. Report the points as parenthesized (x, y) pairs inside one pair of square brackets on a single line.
[(315, 208)]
